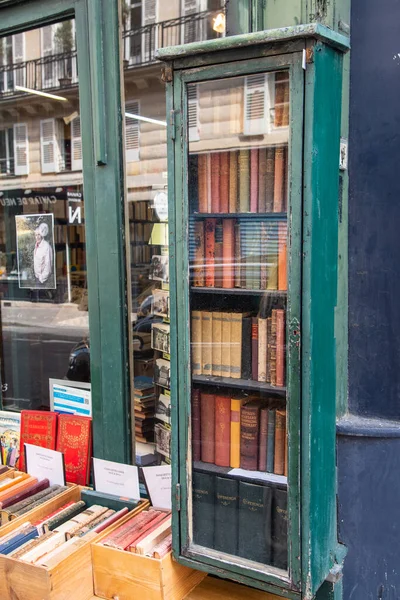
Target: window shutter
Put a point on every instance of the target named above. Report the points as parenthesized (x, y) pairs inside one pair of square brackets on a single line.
[(193, 113), (149, 12), (256, 105), (48, 146), (149, 37), (18, 48), (190, 26), (76, 145), (21, 149), (132, 131), (48, 74)]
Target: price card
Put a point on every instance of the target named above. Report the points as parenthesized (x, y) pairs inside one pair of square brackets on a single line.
[(116, 478), (45, 464), (159, 484)]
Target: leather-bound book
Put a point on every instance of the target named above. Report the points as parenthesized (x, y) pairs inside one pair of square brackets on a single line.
[(206, 342), (215, 185), (279, 179), (93, 497), (285, 178), (280, 347), (282, 256), (193, 182), (210, 252), (233, 181), (126, 533), (262, 174), (37, 428), (269, 345), (262, 349), (249, 435), (238, 257), (74, 440), (228, 253), (23, 507), (222, 430), (163, 548), (224, 182), (116, 516), (226, 515), (30, 491), (196, 342), (63, 516), (271, 440), (203, 183), (272, 343), (196, 425), (279, 529), (280, 441), (255, 505), (226, 344), (216, 350), (19, 487), (254, 180), (254, 348), (198, 258), (97, 521), (244, 181), (270, 180), (152, 538), (150, 528), (203, 509), (207, 416), (263, 256), (236, 405), (236, 344), (262, 451), (246, 366), (218, 253)]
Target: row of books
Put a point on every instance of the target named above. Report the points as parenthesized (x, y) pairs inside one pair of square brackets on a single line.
[(72, 233), (239, 432), (144, 405), (240, 181), (142, 253), (140, 211), (239, 518), (228, 253), (147, 533), (140, 233), (239, 345)]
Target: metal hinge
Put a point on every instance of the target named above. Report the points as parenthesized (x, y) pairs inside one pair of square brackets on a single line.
[(178, 496), (308, 57), (172, 123)]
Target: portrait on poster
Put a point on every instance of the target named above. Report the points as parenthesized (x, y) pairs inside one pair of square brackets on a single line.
[(35, 251)]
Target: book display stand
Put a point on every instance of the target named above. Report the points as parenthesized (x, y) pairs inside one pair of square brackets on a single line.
[(253, 163)]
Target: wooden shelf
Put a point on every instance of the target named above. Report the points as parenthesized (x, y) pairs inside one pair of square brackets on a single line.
[(244, 384), (239, 215), (264, 478), (237, 291)]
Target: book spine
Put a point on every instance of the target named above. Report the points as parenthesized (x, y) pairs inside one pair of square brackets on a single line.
[(282, 256), (203, 183), (272, 258), (91, 497), (111, 520), (246, 366), (269, 343), (215, 177), (210, 252), (206, 342), (238, 258), (228, 253), (279, 98), (254, 180), (262, 172), (203, 509), (279, 179), (196, 344), (207, 426), (222, 430), (271, 441), (244, 181), (31, 505), (218, 253), (286, 104), (280, 440), (262, 455), (264, 256), (163, 548), (216, 344), (254, 530), (224, 182), (233, 182), (249, 428), (193, 182), (226, 515), (198, 271), (273, 349), (64, 516), (254, 348), (236, 346), (226, 345), (280, 347), (26, 494), (262, 350), (270, 179), (279, 529), (236, 404), (196, 425)]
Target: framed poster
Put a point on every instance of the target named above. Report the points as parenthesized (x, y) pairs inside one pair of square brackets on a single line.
[(35, 251)]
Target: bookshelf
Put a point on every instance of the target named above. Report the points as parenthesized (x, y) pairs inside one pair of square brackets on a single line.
[(241, 384)]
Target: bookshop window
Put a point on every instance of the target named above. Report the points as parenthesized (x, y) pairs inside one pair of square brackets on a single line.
[(237, 247), (44, 329)]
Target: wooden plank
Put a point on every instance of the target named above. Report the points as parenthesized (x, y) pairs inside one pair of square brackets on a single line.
[(212, 588)]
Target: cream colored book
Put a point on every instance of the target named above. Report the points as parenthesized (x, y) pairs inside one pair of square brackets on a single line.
[(154, 538), (54, 557), (79, 520), (18, 552), (49, 544), (91, 515), (262, 349)]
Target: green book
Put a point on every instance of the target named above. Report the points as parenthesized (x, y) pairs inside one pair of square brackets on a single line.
[(244, 181), (203, 509), (254, 540), (91, 497), (279, 529), (226, 515)]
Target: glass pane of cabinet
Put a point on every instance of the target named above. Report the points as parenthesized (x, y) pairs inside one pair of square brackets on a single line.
[(238, 142)]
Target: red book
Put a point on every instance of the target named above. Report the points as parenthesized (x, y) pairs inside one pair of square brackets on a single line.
[(210, 252), (254, 180), (228, 252), (215, 179), (254, 348), (224, 183), (196, 431), (262, 452), (74, 440), (222, 430), (207, 416), (37, 428), (34, 488), (149, 528), (124, 535), (280, 347)]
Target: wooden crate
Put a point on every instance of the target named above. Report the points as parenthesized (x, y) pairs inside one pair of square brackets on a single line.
[(125, 575), (70, 579)]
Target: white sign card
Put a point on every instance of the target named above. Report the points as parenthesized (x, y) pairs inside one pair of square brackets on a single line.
[(45, 464), (159, 485), (116, 478)]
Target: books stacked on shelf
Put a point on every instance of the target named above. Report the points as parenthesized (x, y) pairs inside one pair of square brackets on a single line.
[(161, 344), (144, 403), (140, 211), (248, 254), (240, 181), (239, 432), (238, 345), (148, 534), (240, 518), (160, 337)]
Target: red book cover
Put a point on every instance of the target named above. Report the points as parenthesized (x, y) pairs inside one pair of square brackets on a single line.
[(215, 179), (262, 453), (196, 431), (254, 349), (280, 347), (74, 439), (124, 535), (37, 428), (254, 180), (222, 430), (149, 528), (228, 252), (210, 252), (207, 416), (224, 183)]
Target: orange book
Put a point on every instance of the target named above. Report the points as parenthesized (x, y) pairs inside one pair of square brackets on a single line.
[(280, 347), (233, 181), (282, 256), (222, 430), (203, 183), (280, 441), (20, 486), (228, 271), (224, 182), (215, 182), (236, 405), (210, 252), (198, 259), (279, 179)]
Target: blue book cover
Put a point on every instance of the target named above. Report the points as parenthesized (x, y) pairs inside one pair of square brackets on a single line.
[(18, 540)]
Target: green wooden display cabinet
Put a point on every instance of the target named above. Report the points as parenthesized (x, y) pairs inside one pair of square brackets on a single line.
[(253, 134)]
